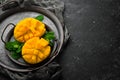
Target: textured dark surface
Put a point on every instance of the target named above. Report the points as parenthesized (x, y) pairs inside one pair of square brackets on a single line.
[(93, 52)]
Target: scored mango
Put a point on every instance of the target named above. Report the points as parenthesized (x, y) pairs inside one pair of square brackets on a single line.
[(29, 28), (35, 50)]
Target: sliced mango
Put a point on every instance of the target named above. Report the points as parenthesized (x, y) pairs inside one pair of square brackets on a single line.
[(35, 50), (28, 28)]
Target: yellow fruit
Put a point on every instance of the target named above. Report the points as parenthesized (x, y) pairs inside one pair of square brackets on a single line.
[(28, 28), (35, 50)]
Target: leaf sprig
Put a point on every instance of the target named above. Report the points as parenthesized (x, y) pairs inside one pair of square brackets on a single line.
[(49, 36), (15, 48)]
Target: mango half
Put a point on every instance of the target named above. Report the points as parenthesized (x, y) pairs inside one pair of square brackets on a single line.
[(28, 28), (35, 50)]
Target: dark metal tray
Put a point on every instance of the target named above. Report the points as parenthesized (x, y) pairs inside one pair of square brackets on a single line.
[(18, 13)]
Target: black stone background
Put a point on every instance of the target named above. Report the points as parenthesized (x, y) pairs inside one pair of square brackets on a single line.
[(93, 51)]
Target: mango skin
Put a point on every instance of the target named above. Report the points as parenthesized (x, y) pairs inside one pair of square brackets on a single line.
[(28, 28), (35, 50)]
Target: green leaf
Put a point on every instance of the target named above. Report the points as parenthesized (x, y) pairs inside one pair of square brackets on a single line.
[(19, 49), (49, 36), (40, 17), (51, 43), (15, 48), (12, 45), (15, 55)]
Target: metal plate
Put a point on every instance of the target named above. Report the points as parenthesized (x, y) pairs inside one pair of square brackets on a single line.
[(16, 14)]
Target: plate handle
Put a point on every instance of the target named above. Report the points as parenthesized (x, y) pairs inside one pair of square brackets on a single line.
[(5, 30)]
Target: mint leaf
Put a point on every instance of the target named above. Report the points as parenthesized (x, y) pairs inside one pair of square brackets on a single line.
[(12, 45), (19, 49), (15, 48), (40, 17), (49, 36), (15, 55)]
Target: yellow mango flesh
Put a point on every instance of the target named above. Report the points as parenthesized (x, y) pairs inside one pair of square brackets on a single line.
[(28, 28), (35, 50)]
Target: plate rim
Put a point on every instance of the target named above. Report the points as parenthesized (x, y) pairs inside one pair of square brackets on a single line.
[(39, 10)]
